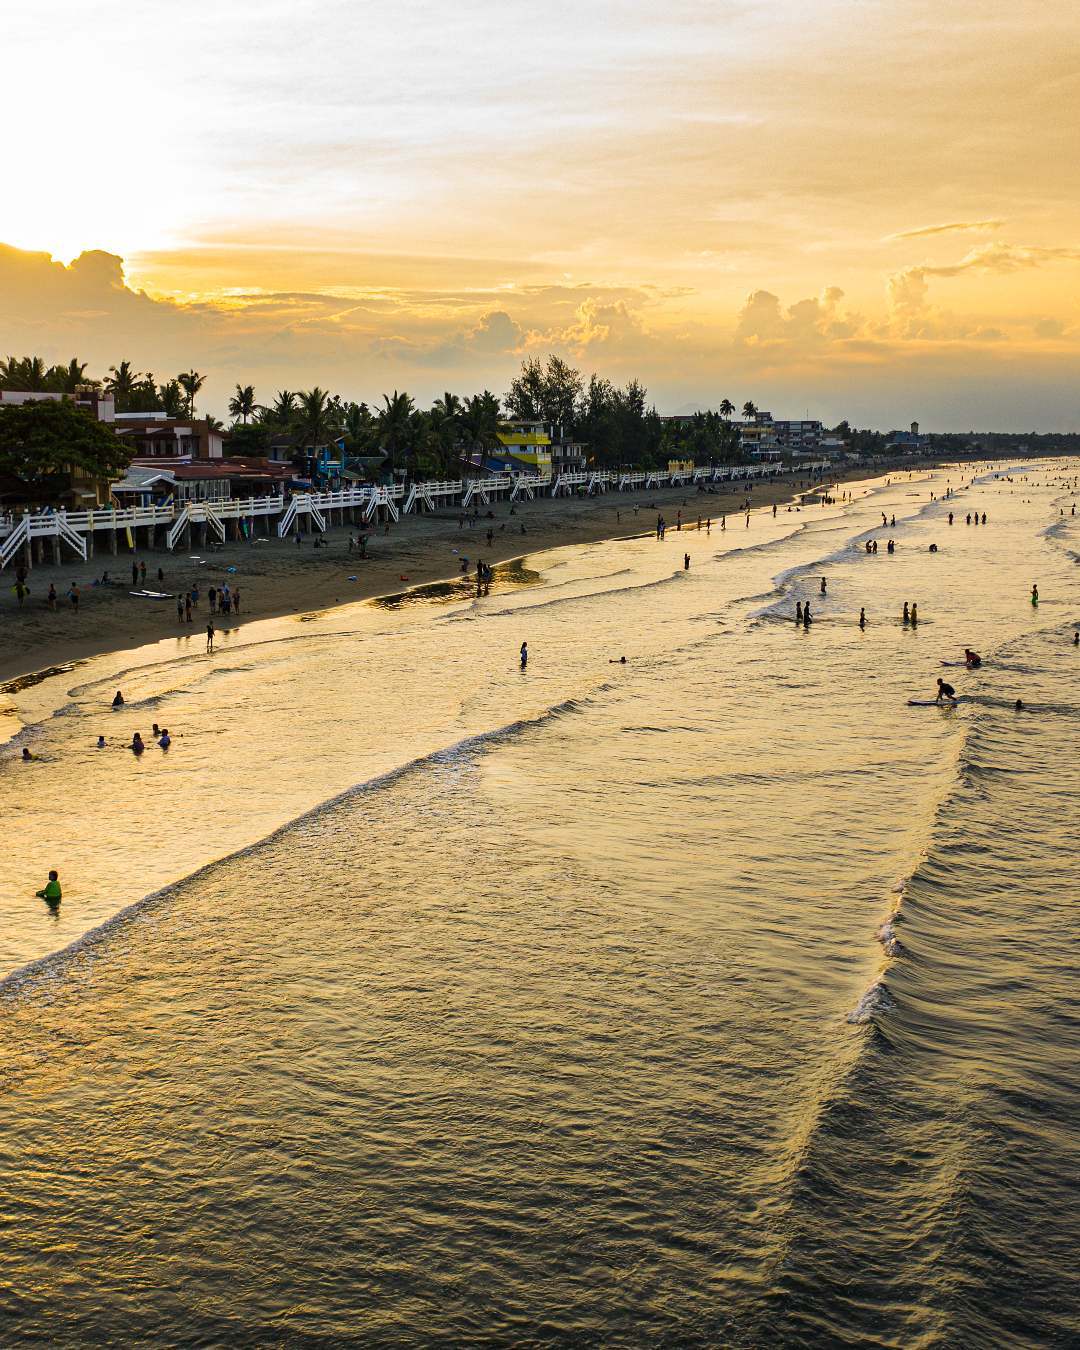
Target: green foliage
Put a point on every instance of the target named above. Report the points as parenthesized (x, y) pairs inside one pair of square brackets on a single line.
[(242, 403), (29, 374), (252, 439), (191, 382), (41, 442)]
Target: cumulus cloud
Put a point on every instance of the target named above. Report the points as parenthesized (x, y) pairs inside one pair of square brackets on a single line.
[(810, 322), (908, 290)]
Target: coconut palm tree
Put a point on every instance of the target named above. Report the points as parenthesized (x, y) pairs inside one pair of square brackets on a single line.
[(191, 382), (314, 417), (283, 409), (171, 398), (749, 410), (66, 379), (481, 421), (393, 425), (357, 425), (242, 404), (121, 382), (726, 407)]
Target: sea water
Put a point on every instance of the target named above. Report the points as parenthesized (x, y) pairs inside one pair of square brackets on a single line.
[(718, 997)]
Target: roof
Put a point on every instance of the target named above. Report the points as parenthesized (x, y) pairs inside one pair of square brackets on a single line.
[(218, 469)]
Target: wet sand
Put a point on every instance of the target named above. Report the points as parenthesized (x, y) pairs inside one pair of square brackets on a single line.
[(275, 577)]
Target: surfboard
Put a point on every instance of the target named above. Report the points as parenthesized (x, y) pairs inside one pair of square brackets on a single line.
[(151, 595), (930, 703)]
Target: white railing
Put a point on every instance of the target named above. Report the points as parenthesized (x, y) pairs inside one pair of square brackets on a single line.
[(14, 541), (73, 526)]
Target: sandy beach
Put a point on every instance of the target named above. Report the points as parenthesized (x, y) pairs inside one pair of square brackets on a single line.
[(276, 577)]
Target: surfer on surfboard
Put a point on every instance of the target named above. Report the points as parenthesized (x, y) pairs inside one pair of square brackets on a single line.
[(945, 691)]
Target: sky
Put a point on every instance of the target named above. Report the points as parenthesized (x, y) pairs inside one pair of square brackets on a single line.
[(849, 210)]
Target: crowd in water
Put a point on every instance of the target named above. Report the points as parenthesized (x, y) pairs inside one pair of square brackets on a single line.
[(225, 600)]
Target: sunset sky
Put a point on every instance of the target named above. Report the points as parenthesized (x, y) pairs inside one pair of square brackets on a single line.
[(862, 210)]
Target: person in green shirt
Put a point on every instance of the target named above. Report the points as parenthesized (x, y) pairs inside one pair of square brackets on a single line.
[(51, 892)]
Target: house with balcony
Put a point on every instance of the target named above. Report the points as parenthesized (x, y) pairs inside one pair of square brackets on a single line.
[(158, 440)]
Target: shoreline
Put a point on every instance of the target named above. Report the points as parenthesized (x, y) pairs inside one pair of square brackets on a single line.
[(281, 580)]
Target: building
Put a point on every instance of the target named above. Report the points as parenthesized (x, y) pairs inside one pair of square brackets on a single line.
[(798, 438), (99, 406), (156, 439), (758, 438), (908, 442), (526, 445)]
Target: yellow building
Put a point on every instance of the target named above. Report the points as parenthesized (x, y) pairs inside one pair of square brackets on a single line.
[(680, 466), (528, 444)]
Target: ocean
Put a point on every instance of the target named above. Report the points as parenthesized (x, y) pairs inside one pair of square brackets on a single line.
[(719, 997)]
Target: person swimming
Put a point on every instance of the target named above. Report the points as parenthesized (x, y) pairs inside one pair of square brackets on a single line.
[(137, 744), (618, 661), (1019, 705), (26, 755), (118, 700), (101, 742), (51, 892), (945, 691)]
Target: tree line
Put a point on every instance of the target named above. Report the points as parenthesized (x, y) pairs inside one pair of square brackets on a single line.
[(615, 424)]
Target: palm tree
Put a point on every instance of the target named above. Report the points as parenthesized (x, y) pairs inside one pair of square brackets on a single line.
[(315, 418), (357, 424), (749, 411), (121, 383), (481, 421), (242, 404), (191, 382), (394, 425), (283, 408), (66, 379), (171, 398), (726, 407)]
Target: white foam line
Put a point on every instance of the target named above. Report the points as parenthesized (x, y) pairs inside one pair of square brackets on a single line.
[(16, 982)]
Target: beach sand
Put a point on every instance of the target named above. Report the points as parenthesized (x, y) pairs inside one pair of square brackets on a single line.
[(275, 577)]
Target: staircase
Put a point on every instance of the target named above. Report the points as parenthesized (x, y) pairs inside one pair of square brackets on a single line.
[(15, 540)]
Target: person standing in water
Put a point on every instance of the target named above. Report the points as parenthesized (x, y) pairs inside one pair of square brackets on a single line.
[(907, 613), (914, 614), (798, 612), (1034, 595), (137, 743), (806, 616), (51, 892), (862, 618), (686, 562), (209, 637), (524, 655), (118, 699), (822, 585)]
